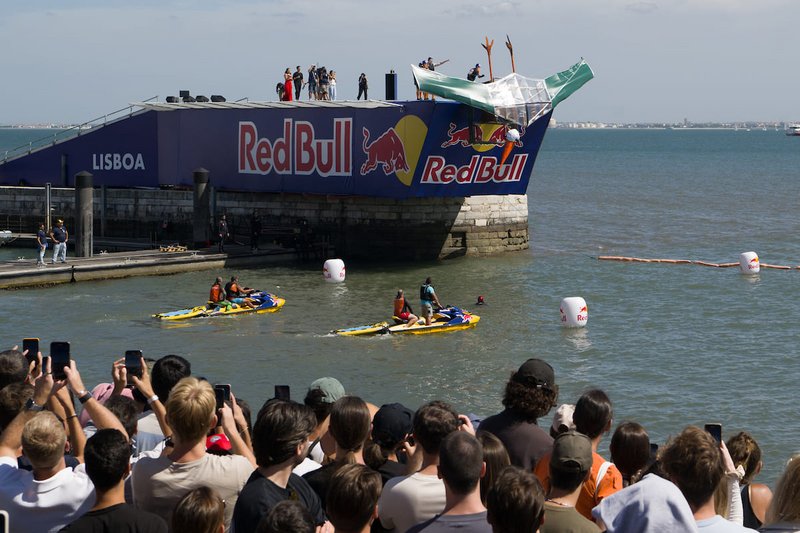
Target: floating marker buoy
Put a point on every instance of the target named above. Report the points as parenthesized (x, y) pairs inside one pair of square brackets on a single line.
[(748, 263), (333, 270), (574, 312)]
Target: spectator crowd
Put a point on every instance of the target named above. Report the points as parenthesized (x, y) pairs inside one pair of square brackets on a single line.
[(160, 450)]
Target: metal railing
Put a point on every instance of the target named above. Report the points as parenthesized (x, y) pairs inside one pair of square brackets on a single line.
[(69, 133)]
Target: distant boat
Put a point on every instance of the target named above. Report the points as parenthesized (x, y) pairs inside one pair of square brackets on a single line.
[(793, 130)]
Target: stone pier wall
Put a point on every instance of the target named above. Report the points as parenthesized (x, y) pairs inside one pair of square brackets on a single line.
[(374, 228)]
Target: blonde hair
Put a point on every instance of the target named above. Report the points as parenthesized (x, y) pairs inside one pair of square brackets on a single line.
[(43, 440), (785, 505), (190, 408)]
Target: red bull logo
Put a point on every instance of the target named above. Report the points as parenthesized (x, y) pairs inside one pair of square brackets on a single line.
[(387, 151), (462, 136), (480, 169), (298, 151)]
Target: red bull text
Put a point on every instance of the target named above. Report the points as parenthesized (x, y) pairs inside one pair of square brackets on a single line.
[(480, 169), (298, 151)]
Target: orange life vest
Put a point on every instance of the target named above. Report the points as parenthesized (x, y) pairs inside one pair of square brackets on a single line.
[(216, 293)]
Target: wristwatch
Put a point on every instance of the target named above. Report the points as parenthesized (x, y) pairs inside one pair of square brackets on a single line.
[(30, 405)]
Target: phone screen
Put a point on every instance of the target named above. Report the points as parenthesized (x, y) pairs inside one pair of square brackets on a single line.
[(282, 392), (32, 345), (715, 430), (59, 355), (3, 521), (223, 394), (133, 363)]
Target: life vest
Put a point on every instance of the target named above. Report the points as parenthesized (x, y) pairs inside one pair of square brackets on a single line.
[(423, 293), (216, 293), (231, 290), (399, 305)]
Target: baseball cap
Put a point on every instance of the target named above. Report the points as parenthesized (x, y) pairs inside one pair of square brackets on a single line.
[(562, 419), (572, 452), (331, 388), (535, 373), (477, 65), (391, 424), (218, 443)]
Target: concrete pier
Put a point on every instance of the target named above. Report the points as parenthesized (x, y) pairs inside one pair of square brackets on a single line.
[(19, 274)]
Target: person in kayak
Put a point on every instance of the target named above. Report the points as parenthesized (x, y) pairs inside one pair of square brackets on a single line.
[(403, 311), (216, 297), (427, 297), (237, 295)]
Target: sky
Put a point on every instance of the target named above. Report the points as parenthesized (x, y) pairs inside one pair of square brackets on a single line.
[(654, 60)]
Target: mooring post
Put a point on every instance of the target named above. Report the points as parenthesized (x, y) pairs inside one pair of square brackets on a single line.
[(202, 209), (84, 215)]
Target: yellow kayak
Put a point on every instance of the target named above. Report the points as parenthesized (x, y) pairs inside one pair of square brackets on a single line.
[(419, 328), (269, 304), (370, 329)]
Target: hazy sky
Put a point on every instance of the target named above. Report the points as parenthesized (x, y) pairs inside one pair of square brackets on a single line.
[(654, 60)]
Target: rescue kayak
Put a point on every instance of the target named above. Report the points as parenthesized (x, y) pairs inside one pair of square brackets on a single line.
[(369, 329), (450, 318), (269, 304)]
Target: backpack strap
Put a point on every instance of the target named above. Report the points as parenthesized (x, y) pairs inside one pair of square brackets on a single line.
[(600, 474)]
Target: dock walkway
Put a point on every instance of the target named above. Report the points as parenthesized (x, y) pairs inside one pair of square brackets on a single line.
[(19, 274)]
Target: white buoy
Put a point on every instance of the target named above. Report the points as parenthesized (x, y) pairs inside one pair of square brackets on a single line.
[(574, 312), (748, 263), (333, 270)]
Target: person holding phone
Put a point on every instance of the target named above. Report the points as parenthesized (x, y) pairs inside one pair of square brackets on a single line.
[(160, 482), (55, 494)]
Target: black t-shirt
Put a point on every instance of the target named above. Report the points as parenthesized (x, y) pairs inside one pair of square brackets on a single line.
[(120, 518), (260, 495), (391, 469), (320, 478), (297, 78), (525, 442)]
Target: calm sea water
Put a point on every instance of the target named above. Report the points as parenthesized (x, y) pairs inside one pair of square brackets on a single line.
[(671, 344)]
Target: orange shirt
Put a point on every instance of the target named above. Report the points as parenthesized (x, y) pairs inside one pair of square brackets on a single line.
[(587, 500), (399, 303)]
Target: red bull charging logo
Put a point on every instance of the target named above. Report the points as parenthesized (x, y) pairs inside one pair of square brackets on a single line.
[(387, 151), (463, 138)]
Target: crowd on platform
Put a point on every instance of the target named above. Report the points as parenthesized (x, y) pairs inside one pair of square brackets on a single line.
[(157, 449)]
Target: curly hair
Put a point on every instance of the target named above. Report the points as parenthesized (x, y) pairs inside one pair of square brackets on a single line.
[(531, 403)]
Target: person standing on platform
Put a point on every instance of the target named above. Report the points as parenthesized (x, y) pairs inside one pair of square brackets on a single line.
[(287, 82), (474, 73), (41, 242), (362, 87), (297, 80), (60, 236), (332, 87), (312, 82), (222, 233)]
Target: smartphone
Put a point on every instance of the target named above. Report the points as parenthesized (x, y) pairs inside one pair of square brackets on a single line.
[(133, 363), (32, 345), (282, 392), (3, 521), (223, 394), (715, 430), (59, 355)]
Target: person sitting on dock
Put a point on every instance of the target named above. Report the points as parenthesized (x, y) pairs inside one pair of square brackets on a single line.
[(216, 298), (427, 297), (237, 295), (403, 311)]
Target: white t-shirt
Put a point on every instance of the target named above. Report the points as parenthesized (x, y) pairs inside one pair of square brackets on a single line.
[(158, 483), (308, 465), (47, 505), (408, 500), (148, 433)]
